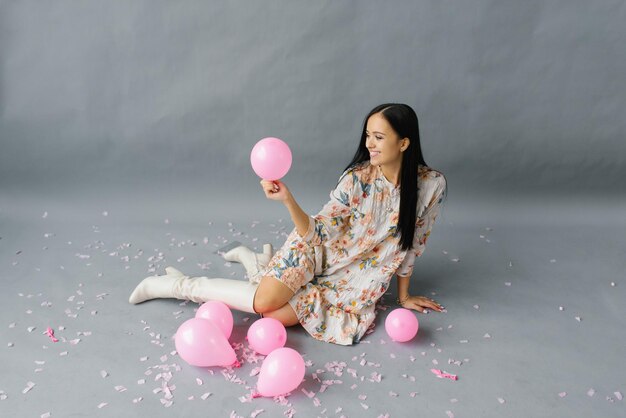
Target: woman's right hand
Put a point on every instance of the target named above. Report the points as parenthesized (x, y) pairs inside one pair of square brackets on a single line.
[(275, 190)]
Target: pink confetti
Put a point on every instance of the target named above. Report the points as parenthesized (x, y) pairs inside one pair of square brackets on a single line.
[(441, 374), (102, 405), (618, 395), (562, 394), (50, 333), (28, 387), (449, 414), (308, 393)]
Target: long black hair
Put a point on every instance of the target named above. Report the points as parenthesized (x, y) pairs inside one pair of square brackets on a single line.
[(403, 120)]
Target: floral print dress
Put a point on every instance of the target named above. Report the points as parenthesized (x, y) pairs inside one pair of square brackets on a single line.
[(346, 260)]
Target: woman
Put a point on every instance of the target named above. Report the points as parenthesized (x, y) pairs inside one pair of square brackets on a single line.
[(334, 266)]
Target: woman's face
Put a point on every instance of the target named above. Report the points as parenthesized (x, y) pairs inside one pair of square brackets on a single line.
[(382, 141)]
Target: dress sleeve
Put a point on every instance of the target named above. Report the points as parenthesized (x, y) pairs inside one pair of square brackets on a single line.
[(423, 227), (334, 216)]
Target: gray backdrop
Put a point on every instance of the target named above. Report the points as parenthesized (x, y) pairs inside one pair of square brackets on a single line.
[(511, 95)]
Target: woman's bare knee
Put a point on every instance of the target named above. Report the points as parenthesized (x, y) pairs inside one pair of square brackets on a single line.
[(271, 295), (285, 315)]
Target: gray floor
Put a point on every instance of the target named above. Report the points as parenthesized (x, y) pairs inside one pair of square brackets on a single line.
[(503, 268)]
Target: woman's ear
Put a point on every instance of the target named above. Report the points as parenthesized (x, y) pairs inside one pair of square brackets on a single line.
[(405, 145)]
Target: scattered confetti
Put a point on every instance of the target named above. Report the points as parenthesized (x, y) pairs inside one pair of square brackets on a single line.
[(441, 374), (28, 387)]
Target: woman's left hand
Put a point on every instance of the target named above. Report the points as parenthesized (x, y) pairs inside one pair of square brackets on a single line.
[(420, 303)]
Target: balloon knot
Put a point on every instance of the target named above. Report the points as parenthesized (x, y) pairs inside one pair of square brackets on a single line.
[(256, 394)]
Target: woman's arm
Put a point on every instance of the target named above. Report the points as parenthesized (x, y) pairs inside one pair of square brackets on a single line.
[(418, 303), (298, 216), (403, 286), (331, 219), (277, 190)]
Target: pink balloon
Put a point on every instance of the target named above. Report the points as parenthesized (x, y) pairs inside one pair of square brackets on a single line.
[(271, 158), (281, 372), (266, 335), (401, 325), (219, 313), (201, 343)]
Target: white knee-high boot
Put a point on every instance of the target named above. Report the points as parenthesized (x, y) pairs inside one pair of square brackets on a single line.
[(252, 262), (237, 294)]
